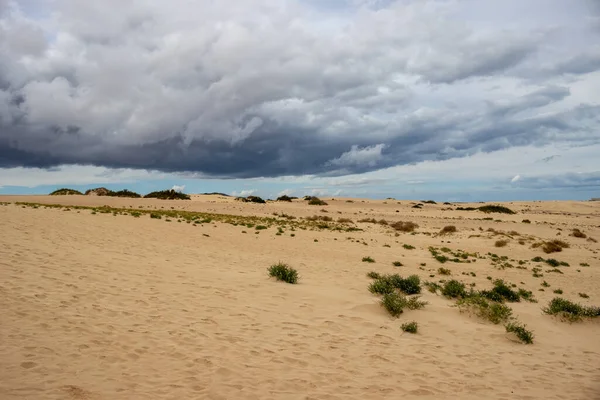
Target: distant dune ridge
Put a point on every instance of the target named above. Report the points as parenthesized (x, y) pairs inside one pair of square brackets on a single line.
[(107, 297)]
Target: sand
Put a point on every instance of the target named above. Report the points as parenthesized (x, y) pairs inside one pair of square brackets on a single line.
[(97, 306)]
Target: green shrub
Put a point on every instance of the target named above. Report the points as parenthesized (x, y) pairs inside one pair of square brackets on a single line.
[(397, 264), (448, 229), (404, 226), (491, 311), (441, 258), (395, 303), (569, 310), (496, 209), (584, 295), (558, 291), (501, 243), (505, 292), (432, 286), (381, 285), (444, 271), (410, 327), (410, 285), (368, 259), (284, 198), (521, 331), (65, 192), (374, 275), (408, 247), (315, 201), (260, 227), (155, 216), (283, 272), (454, 289), (167, 195)]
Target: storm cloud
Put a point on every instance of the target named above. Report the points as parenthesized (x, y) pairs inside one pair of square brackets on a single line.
[(263, 88)]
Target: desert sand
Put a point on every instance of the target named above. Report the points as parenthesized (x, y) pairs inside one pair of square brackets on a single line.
[(102, 306)]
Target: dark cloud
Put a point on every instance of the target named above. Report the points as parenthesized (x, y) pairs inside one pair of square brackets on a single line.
[(246, 90)]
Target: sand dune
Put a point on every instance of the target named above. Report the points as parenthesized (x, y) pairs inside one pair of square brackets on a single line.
[(103, 306)]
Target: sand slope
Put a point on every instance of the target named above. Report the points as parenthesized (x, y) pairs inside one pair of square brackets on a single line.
[(116, 307)]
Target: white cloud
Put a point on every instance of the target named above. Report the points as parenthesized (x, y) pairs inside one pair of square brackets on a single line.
[(73, 175), (515, 179), (178, 188), (356, 156)]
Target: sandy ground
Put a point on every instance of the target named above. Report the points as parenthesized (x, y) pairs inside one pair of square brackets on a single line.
[(97, 306)]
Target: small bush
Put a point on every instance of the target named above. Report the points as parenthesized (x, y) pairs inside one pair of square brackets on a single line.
[(521, 331), (260, 227), (558, 291), (65, 192), (441, 258), (284, 198), (155, 216), (526, 221), (167, 195), (554, 246), (403, 226), (408, 247), (395, 303), (410, 327), (448, 229), (374, 275), (496, 209), (397, 264), (368, 259), (569, 310), (444, 271), (492, 311), (315, 201), (454, 289), (502, 291), (578, 234), (501, 243), (410, 285), (283, 272), (381, 286), (584, 295)]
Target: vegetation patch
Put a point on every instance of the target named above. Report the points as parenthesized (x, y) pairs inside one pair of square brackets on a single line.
[(65, 192), (315, 201), (404, 226), (410, 327), (496, 209), (167, 195), (448, 230), (569, 310), (395, 303), (483, 308), (368, 259), (578, 234), (521, 331), (283, 272)]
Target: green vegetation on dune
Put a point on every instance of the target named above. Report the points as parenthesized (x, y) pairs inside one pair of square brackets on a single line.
[(167, 195), (203, 217), (65, 192)]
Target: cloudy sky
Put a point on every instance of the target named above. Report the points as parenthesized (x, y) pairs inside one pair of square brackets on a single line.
[(444, 99)]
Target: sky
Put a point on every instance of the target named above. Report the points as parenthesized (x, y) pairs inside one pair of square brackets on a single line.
[(451, 100)]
